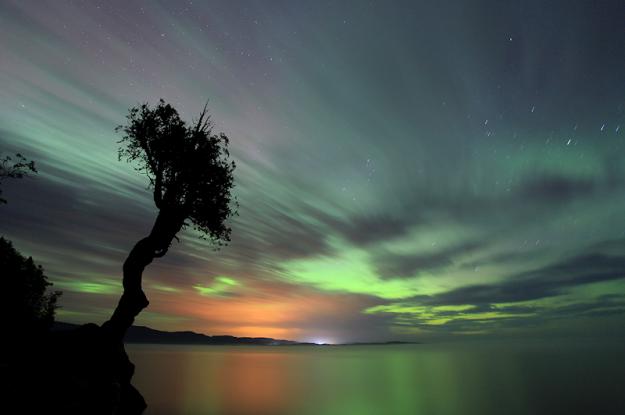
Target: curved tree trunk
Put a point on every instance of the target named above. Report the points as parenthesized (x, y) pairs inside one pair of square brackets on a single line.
[(133, 299), (115, 366)]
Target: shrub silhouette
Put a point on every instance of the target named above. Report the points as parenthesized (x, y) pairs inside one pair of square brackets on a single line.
[(29, 307)]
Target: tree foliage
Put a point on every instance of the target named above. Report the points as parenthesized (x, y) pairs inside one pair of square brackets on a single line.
[(188, 168), (14, 167), (28, 306)]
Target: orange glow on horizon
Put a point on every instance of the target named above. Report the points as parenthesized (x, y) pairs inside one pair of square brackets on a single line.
[(288, 315)]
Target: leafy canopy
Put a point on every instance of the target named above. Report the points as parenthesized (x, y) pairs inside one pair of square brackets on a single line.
[(188, 166)]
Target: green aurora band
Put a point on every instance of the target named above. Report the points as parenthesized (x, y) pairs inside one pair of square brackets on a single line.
[(405, 170)]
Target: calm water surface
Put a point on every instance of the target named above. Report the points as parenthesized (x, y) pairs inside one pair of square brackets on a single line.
[(381, 380)]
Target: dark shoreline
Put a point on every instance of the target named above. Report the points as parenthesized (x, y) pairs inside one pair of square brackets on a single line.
[(147, 335)]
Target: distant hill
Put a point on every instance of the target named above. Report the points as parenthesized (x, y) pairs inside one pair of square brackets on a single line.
[(142, 334)]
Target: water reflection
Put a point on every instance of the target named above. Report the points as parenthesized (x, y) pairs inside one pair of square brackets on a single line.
[(400, 380), (218, 380)]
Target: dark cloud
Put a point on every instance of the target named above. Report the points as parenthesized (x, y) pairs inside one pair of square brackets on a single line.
[(275, 235), (507, 258), (611, 246), (602, 306), (544, 282), (66, 223), (534, 197), (476, 309), (280, 235), (364, 231), (555, 189), (391, 265), (531, 254), (516, 316), (287, 237)]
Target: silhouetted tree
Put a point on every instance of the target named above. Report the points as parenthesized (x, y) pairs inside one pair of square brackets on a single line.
[(28, 306), (190, 173), (14, 167)]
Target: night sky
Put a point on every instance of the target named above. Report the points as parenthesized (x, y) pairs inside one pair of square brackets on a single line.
[(405, 170)]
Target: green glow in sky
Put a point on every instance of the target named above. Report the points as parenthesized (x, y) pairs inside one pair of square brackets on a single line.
[(220, 286), (404, 170)]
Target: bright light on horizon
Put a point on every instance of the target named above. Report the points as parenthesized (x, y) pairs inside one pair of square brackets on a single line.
[(320, 341)]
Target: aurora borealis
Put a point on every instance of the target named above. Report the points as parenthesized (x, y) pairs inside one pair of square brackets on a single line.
[(405, 170)]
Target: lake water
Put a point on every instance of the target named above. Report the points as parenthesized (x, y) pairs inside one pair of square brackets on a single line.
[(432, 379)]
